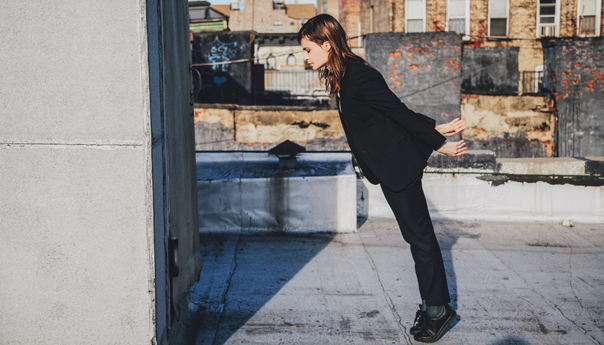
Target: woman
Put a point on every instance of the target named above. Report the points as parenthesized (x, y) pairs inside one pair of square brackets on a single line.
[(391, 145)]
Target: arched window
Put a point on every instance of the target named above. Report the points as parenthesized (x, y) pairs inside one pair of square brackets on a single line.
[(291, 59), (271, 62)]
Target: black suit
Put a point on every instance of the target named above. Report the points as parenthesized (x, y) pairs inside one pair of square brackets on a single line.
[(390, 142), (391, 145)]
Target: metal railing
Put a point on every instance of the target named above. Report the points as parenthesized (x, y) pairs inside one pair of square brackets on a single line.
[(547, 30), (587, 26), (532, 82), (458, 25), (296, 83)]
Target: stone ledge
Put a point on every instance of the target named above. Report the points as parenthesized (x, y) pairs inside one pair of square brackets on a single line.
[(473, 160), (485, 161), (593, 166)]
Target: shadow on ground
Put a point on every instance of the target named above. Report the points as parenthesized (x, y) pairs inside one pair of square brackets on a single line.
[(511, 340), (239, 275), (448, 235)]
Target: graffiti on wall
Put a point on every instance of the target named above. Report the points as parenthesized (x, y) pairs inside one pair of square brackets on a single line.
[(224, 62)]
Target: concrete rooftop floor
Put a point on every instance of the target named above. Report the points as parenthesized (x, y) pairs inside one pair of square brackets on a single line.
[(511, 283)]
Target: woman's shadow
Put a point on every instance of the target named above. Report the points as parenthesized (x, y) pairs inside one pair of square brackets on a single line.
[(448, 233)]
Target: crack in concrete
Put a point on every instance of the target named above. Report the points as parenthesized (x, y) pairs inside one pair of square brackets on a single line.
[(595, 341), (226, 290), (388, 299), (547, 300), (570, 280)]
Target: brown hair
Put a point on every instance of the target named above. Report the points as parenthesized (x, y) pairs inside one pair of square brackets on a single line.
[(322, 28)]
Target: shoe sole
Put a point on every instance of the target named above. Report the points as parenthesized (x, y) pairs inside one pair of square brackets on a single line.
[(442, 330)]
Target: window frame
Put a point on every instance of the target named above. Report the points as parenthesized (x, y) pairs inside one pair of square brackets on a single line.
[(507, 19), (556, 19), (598, 18), (407, 18), (291, 56), (274, 60), (466, 35)]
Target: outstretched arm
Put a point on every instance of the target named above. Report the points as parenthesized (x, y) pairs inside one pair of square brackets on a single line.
[(453, 148), (451, 128)]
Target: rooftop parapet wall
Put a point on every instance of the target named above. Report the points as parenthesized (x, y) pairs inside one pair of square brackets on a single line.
[(260, 128), (485, 162)]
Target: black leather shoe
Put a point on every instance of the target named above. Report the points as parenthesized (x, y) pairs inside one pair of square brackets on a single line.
[(418, 323), (434, 327)]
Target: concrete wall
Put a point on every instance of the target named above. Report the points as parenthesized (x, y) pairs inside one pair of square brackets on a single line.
[(479, 187), (75, 179), (84, 161)]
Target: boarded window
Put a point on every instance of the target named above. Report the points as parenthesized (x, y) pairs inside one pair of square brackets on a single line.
[(490, 70)]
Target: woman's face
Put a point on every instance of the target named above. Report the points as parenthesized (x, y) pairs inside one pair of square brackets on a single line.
[(316, 55)]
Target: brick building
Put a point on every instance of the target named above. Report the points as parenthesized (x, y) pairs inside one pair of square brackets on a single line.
[(267, 16), (484, 23)]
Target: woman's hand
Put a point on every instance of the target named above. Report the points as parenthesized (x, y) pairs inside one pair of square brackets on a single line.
[(453, 148), (453, 127)]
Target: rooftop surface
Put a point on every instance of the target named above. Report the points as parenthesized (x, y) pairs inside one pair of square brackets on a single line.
[(511, 283)]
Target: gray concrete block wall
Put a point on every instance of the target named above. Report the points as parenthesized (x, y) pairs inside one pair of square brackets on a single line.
[(75, 247), (76, 231), (83, 172)]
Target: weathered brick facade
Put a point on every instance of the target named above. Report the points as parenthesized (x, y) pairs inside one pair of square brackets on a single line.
[(350, 14), (389, 16), (260, 16)]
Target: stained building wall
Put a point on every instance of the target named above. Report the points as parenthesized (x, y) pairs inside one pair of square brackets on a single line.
[(260, 128), (510, 126), (423, 70), (574, 72)]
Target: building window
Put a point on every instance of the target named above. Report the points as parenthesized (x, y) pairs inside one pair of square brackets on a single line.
[(415, 16), (547, 18), (291, 60), (588, 14), (324, 6), (271, 62), (498, 18), (457, 13)]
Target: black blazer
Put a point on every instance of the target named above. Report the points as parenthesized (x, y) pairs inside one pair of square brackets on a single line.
[(390, 142)]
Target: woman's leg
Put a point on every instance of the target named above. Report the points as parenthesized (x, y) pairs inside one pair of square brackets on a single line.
[(411, 212)]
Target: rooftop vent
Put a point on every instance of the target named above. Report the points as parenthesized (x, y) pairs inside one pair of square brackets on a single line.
[(287, 151)]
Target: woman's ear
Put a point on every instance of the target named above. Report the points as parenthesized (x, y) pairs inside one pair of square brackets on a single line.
[(326, 46)]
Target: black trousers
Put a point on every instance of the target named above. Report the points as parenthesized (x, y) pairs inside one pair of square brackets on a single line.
[(411, 212)]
